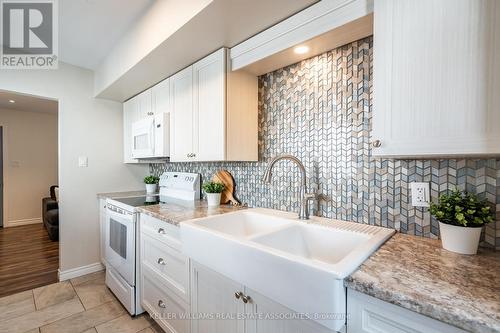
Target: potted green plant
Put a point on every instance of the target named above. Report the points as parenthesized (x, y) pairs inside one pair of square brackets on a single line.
[(151, 183), (213, 191), (461, 216)]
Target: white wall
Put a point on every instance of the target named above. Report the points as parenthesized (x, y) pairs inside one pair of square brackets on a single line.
[(160, 21), (30, 163), (87, 127)]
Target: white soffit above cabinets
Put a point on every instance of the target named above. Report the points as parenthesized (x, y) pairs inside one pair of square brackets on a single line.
[(317, 29), (88, 29), (133, 67)]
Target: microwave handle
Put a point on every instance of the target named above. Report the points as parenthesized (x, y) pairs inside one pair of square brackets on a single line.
[(152, 136)]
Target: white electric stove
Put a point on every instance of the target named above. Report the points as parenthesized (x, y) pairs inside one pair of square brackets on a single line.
[(122, 230)]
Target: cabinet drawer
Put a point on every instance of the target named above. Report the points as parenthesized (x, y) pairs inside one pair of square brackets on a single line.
[(167, 264), (169, 311), (162, 231)]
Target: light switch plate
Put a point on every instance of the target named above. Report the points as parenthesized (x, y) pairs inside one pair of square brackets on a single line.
[(83, 161), (420, 194)]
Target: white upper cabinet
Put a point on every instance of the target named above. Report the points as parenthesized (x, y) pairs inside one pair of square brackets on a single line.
[(144, 104), (182, 116), (130, 115), (436, 78), (214, 112), (209, 76), (160, 97)]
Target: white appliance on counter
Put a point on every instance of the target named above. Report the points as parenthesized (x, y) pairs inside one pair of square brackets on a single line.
[(121, 249), (151, 137)]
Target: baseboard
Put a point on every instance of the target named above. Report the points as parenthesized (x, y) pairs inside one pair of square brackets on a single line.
[(17, 223), (79, 271)]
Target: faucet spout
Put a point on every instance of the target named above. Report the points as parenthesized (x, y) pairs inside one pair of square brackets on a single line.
[(304, 196)]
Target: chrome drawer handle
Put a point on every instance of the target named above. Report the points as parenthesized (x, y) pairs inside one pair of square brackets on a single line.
[(161, 262), (238, 294), (162, 304), (246, 299), (377, 143), (161, 231)]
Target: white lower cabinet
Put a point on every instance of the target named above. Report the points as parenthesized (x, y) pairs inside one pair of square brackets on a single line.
[(164, 275), (220, 305), (367, 314)]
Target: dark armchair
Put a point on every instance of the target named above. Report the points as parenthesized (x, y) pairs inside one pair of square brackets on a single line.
[(50, 214)]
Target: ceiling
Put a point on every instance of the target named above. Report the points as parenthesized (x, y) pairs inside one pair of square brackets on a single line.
[(27, 103), (220, 23), (88, 29)]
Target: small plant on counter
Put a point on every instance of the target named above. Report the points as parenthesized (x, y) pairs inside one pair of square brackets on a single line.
[(213, 191), (213, 187), (151, 183), (461, 216), (151, 180)]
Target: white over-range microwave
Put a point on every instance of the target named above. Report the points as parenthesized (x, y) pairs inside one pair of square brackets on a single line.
[(151, 137)]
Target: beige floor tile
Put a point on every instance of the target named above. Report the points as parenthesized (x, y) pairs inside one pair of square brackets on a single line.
[(16, 305), (89, 277), (36, 330), (53, 294), (147, 330), (83, 321), (43, 317), (92, 330), (124, 324), (93, 293)]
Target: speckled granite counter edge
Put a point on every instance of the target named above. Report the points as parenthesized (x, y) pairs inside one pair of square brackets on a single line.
[(124, 194)]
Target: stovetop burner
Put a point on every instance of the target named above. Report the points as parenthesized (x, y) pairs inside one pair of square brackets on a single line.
[(140, 201)]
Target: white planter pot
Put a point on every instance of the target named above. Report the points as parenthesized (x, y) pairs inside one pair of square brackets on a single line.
[(459, 239), (151, 188), (213, 199)]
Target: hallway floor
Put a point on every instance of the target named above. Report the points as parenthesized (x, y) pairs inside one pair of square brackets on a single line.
[(28, 259), (83, 304)]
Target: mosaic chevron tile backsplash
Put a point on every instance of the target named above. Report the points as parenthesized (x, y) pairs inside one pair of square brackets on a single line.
[(320, 111)]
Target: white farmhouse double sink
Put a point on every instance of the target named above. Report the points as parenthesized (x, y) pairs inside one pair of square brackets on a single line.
[(300, 265)]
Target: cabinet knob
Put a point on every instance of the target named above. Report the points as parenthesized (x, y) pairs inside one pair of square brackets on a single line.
[(161, 261), (161, 231), (377, 143), (246, 299), (162, 304), (238, 294)]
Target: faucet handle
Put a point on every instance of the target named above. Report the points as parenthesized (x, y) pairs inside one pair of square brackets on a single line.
[(310, 196)]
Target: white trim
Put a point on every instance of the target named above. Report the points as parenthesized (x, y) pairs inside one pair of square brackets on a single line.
[(79, 271), (16, 223), (318, 19)]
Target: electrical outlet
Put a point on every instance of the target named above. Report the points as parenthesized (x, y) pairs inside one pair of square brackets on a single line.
[(420, 194)]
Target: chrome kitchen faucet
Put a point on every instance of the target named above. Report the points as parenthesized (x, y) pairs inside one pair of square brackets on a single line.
[(304, 196)]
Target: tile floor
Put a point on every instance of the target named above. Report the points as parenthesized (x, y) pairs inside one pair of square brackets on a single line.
[(83, 304)]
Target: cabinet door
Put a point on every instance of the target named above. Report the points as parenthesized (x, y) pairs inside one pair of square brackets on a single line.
[(182, 119), (213, 295), (436, 69), (368, 314), (102, 225), (161, 97), (145, 104), (209, 76), (130, 115), (267, 316)]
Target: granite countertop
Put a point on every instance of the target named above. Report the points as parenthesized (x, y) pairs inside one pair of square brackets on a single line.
[(176, 213), (125, 194), (417, 274)]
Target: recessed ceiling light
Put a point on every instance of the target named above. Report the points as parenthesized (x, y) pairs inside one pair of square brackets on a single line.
[(301, 49), (12, 101)]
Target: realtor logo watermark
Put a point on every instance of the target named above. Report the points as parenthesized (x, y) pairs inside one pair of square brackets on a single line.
[(28, 35)]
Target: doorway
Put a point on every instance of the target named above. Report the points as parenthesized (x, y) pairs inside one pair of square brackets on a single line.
[(29, 209)]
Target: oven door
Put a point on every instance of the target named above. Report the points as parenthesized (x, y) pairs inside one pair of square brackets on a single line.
[(143, 138), (120, 242)]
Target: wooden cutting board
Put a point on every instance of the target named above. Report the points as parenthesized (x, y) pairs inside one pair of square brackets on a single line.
[(227, 196)]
